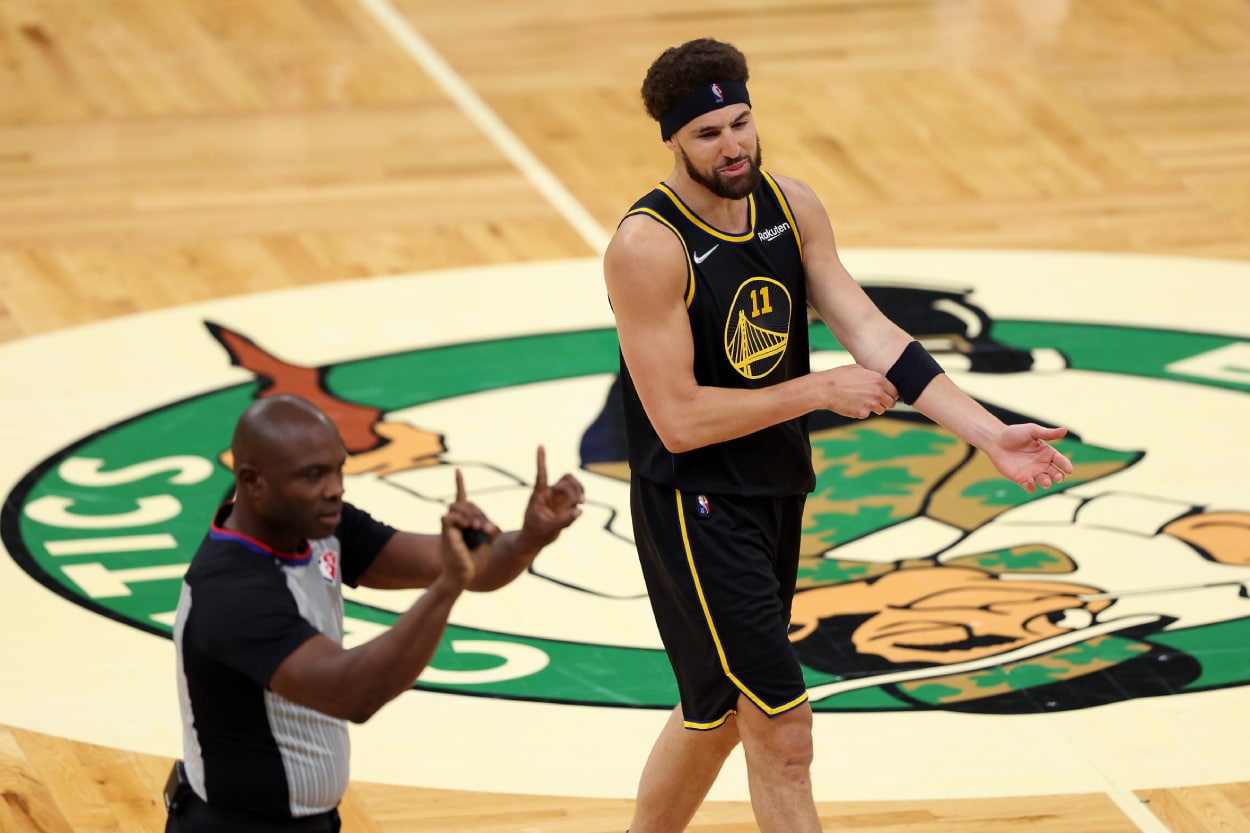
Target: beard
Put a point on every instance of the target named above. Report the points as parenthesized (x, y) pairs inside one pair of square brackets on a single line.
[(734, 188)]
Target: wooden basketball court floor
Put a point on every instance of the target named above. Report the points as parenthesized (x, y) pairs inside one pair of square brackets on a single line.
[(162, 153)]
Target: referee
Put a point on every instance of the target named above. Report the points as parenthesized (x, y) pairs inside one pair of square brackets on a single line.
[(265, 686)]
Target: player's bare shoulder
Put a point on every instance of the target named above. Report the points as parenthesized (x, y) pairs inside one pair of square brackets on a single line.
[(644, 252), (641, 232), (809, 213), (798, 193)]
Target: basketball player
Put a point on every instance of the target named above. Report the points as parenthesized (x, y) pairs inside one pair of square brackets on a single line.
[(710, 276), (265, 686)]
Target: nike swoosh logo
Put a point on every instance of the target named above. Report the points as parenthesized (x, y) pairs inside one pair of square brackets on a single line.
[(699, 258)]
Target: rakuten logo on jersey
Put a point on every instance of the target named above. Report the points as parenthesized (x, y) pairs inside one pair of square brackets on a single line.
[(775, 231)]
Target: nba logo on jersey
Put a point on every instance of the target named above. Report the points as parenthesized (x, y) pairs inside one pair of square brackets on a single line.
[(330, 566), (717, 94), (705, 508)]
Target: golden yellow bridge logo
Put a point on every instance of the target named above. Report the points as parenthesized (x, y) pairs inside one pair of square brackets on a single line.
[(757, 328)]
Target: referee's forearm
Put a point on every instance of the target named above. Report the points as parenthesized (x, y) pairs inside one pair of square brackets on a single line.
[(386, 666)]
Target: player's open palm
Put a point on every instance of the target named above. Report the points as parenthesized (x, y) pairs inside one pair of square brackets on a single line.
[(1023, 454)]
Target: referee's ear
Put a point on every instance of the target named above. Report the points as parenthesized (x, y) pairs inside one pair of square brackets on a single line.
[(246, 474)]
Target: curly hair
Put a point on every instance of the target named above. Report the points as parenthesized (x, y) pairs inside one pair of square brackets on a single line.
[(682, 69)]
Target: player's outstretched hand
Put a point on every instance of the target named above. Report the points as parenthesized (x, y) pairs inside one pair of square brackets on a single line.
[(551, 508), (1023, 454)]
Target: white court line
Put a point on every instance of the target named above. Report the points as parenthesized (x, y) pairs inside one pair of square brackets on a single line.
[(1137, 811), (503, 138)]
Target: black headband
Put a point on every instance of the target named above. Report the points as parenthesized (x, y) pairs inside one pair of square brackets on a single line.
[(703, 100)]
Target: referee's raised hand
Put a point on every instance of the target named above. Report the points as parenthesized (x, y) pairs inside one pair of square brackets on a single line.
[(550, 508)]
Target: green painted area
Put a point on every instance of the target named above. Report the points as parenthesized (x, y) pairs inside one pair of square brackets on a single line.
[(860, 469)]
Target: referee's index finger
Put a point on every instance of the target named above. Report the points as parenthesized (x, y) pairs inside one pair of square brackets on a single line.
[(540, 479), (460, 495)]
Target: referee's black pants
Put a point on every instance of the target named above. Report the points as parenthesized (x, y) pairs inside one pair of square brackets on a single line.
[(197, 817)]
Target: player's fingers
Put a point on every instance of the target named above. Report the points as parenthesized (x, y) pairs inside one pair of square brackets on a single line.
[(1042, 433)]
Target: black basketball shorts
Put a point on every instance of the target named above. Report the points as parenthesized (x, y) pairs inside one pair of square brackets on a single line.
[(720, 572)]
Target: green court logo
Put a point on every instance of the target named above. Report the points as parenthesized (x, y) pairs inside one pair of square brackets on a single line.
[(925, 582)]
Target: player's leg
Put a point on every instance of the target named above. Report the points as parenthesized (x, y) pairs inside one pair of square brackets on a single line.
[(774, 716), (681, 769), (701, 731), (779, 757)]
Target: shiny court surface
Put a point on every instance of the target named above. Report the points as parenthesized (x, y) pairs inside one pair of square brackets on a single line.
[(401, 206)]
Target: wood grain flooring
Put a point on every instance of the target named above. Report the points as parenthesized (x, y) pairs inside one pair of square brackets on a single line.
[(160, 152)]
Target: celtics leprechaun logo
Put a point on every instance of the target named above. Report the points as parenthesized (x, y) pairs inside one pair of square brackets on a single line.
[(926, 581)]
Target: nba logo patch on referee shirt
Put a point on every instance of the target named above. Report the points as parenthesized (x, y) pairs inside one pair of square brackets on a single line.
[(330, 566), (705, 508)]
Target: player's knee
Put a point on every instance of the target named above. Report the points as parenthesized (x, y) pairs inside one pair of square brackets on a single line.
[(795, 749), (784, 740), (788, 756)]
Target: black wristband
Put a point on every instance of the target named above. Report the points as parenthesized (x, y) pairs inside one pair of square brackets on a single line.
[(912, 372)]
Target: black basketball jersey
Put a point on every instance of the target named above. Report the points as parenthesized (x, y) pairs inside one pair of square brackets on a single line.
[(747, 301)]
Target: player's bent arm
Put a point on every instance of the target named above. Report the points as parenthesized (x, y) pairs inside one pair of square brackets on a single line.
[(354, 684), (1020, 452), (646, 274), (868, 335), (872, 339), (948, 405)]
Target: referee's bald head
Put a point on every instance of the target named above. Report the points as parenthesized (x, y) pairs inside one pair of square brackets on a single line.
[(271, 427)]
